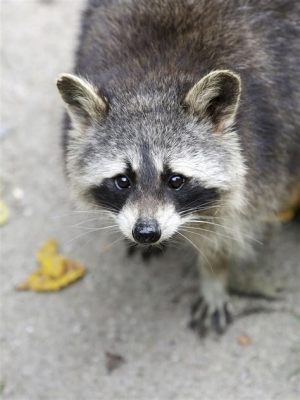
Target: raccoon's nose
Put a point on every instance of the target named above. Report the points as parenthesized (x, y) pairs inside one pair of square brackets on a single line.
[(146, 232)]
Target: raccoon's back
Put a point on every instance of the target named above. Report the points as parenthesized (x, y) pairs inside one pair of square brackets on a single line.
[(135, 40), (130, 38)]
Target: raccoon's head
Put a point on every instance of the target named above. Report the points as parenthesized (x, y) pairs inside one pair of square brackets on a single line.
[(156, 156)]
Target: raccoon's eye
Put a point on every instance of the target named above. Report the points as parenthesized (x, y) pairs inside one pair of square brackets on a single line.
[(176, 182), (122, 182)]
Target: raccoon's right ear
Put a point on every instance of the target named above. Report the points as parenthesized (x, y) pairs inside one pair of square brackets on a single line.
[(84, 103), (216, 98)]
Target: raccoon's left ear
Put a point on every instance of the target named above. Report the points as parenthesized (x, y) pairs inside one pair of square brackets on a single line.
[(84, 102), (215, 97)]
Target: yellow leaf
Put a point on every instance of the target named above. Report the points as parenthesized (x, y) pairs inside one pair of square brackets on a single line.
[(49, 247), (4, 213), (52, 265), (55, 272)]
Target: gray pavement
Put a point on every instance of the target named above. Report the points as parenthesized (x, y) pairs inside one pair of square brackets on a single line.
[(53, 345)]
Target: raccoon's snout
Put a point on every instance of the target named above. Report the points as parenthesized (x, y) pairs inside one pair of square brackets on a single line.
[(146, 231)]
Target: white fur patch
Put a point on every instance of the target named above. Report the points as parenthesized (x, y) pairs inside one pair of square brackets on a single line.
[(126, 219), (166, 216), (95, 172), (168, 220), (212, 175), (109, 169)]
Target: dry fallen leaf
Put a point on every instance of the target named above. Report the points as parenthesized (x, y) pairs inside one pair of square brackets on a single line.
[(244, 340), (4, 213), (113, 361), (55, 272), (291, 208)]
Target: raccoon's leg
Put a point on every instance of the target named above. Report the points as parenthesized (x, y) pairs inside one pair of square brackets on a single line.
[(212, 308), (252, 275)]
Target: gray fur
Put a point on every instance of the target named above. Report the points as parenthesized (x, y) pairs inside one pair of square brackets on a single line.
[(209, 88)]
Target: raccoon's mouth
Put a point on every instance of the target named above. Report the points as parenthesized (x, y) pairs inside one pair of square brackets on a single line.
[(146, 251)]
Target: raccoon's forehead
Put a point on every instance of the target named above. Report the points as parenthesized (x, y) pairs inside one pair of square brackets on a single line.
[(152, 144), (149, 159)]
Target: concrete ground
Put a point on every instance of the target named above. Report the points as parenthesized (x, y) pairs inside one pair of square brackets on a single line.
[(53, 346)]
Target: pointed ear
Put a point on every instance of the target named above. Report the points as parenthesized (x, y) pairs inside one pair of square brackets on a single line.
[(215, 97), (84, 103)]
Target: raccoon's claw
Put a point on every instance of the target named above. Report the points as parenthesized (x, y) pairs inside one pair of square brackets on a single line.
[(206, 316)]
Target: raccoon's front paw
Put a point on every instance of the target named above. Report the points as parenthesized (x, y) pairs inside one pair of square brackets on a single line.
[(210, 315)]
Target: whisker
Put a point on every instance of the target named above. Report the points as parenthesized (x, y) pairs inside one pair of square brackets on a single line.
[(198, 209), (77, 212), (198, 234), (202, 207), (173, 241), (91, 228), (86, 233), (222, 226), (79, 224), (208, 203), (214, 232), (217, 233), (86, 242), (106, 207), (201, 253), (109, 246), (204, 217)]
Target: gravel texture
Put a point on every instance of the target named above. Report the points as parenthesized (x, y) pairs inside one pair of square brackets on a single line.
[(124, 314)]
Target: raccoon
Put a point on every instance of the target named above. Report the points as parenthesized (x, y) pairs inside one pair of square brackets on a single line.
[(184, 121)]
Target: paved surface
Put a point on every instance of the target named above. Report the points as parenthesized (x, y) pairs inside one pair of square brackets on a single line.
[(53, 345)]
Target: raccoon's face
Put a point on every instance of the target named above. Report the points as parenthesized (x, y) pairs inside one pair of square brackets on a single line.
[(155, 159)]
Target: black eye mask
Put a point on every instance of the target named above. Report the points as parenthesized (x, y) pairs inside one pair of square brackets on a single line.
[(193, 197)]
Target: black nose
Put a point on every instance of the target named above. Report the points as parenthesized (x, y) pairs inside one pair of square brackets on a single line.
[(146, 231)]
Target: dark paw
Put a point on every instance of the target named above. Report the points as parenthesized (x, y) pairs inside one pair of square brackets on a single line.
[(207, 317)]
